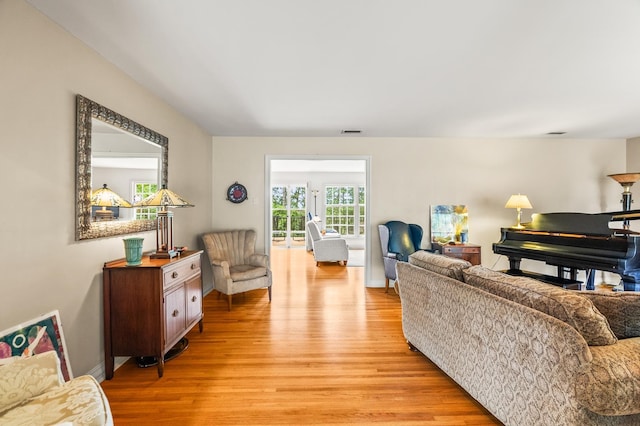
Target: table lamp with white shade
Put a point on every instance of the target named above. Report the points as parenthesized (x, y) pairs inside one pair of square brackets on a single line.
[(518, 202)]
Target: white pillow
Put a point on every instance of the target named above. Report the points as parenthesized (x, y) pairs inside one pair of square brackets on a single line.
[(25, 378)]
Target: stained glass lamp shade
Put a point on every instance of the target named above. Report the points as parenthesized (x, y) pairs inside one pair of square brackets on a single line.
[(104, 197), (164, 198)]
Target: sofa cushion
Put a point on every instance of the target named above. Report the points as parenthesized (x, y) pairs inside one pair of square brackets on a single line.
[(443, 265), (565, 305), (247, 272), (622, 310), (80, 401), (25, 378)]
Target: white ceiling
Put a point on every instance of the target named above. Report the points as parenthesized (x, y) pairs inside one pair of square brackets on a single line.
[(424, 68)]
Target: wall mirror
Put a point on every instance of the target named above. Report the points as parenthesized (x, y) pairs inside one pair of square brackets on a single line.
[(114, 150)]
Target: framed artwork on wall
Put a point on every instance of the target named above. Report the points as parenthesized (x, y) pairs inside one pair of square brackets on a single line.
[(41, 334), (449, 223)]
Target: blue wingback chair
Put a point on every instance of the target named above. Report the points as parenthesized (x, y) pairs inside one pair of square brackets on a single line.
[(398, 241)]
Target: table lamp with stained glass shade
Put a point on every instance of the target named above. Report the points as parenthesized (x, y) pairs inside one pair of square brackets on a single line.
[(164, 198), (105, 197)]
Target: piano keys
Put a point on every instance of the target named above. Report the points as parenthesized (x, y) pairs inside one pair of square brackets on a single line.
[(574, 242)]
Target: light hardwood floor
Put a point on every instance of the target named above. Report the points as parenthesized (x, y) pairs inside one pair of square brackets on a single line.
[(325, 351)]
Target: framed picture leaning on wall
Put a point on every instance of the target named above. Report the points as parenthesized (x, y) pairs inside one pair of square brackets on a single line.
[(449, 223), (38, 335)]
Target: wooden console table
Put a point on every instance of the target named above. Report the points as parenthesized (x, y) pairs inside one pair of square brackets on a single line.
[(469, 252), (149, 308)]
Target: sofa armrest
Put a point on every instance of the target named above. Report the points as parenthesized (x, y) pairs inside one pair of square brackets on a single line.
[(28, 377), (610, 383)]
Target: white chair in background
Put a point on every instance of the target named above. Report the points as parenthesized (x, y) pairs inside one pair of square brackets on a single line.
[(327, 249)]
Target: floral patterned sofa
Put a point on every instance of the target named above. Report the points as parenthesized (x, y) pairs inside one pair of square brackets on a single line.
[(529, 352), (33, 392)]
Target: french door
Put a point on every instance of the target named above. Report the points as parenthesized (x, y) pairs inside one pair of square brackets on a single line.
[(288, 214)]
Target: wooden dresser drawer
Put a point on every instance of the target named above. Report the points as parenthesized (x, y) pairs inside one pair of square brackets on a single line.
[(175, 274), (460, 249)]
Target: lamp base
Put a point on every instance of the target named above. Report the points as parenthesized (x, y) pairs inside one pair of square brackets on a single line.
[(104, 215), (163, 254)]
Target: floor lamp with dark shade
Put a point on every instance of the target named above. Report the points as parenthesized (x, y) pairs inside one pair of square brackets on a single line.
[(164, 199)]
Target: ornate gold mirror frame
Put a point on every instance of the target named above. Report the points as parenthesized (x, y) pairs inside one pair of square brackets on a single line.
[(87, 109)]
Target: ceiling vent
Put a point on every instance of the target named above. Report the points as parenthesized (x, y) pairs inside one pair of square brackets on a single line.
[(351, 131)]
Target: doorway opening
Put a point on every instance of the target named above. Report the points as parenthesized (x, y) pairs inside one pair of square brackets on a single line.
[(331, 190)]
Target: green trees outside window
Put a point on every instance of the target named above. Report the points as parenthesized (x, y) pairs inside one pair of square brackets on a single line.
[(345, 209), (142, 190), (288, 210)]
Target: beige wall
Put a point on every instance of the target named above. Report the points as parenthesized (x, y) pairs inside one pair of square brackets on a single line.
[(408, 175), (633, 161), (43, 267)]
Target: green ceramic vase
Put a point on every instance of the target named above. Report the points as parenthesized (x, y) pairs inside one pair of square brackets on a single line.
[(133, 250)]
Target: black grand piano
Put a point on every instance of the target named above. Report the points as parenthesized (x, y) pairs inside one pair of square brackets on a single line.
[(574, 242)]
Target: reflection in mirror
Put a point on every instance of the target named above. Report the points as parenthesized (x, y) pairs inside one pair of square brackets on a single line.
[(126, 156), (126, 163)]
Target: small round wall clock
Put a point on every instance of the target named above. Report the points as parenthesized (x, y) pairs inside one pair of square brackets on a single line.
[(237, 193)]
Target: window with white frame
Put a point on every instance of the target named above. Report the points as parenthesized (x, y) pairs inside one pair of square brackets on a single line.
[(361, 210), (142, 190), (345, 209)]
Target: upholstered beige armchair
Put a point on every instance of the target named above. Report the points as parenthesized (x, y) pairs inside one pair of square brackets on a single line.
[(236, 267)]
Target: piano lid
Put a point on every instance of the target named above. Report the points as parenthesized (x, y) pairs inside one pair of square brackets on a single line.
[(571, 223)]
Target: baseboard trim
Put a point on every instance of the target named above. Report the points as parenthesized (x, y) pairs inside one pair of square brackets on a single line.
[(98, 372)]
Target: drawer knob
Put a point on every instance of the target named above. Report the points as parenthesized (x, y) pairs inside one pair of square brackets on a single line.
[(174, 275), (175, 313), (194, 298), (193, 266)]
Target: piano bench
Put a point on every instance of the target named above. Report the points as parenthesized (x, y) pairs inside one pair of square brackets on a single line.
[(549, 279)]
